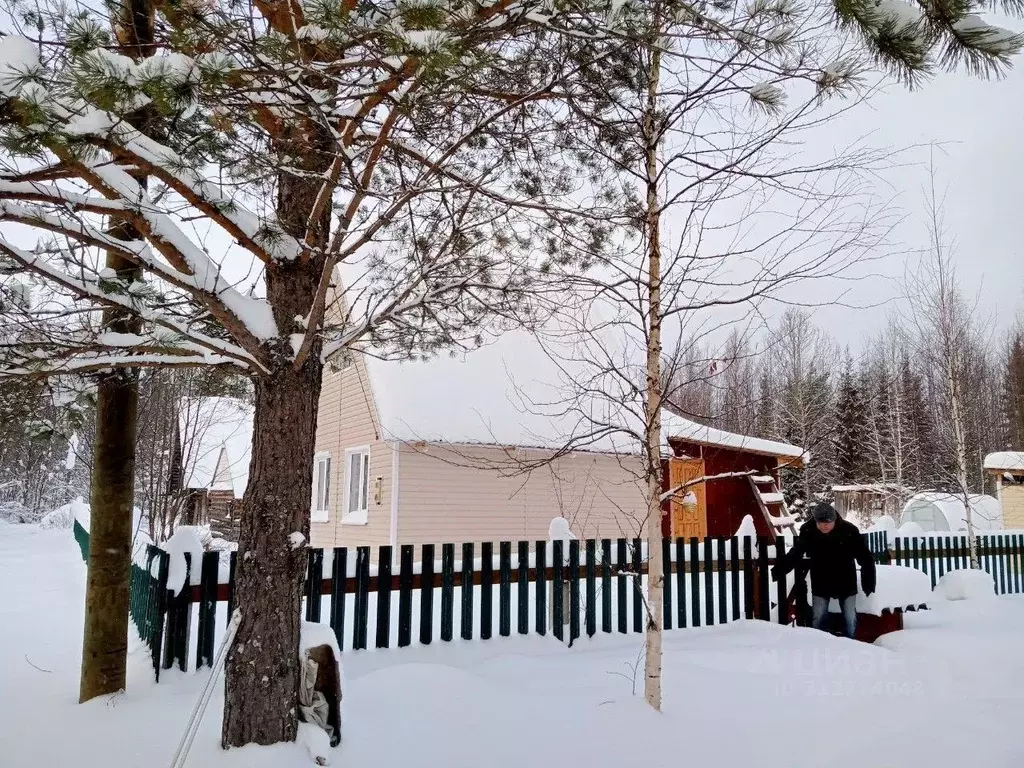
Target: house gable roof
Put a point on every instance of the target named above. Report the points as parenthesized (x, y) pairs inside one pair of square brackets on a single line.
[(215, 438)]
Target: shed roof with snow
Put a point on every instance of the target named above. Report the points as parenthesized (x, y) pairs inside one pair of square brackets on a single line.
[(940, 511), (215, 439), (1005, 461)]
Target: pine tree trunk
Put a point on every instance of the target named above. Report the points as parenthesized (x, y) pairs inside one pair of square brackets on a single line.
[(653, 397), (262, 672), (105, 638), (262, 681)]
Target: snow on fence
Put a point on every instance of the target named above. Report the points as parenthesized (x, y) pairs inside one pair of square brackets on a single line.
[(479, 591)]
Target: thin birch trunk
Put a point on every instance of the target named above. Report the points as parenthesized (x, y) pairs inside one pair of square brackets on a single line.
[(655, 578)]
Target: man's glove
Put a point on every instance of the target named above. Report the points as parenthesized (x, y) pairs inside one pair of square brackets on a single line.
[(868, 586)]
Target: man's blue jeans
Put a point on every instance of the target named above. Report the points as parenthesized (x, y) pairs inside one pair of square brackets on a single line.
[(848, 607)]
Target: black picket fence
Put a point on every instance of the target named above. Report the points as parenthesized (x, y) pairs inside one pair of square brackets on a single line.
[(1001, 555), (479, 591), (475, 589)]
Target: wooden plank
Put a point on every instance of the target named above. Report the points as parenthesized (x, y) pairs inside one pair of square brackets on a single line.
[(160, 612), (695, 580), (574, 590), (606, 585), (427, 595), (680, 582), (505, 588), (1002, 564), (590, 597), (339, 571), (557, 607), (932, 561), (638, 593), (232, 563), (898, 553), (764, 599), (621, 586), (1018, 562), (361, 608), (405, 559), (447, 591), (384, 555), (723, 609), (523, 588), (748, 578), (206, 641), (709, 583), (734, 566), (940, 553), (666, 585), (783, 593), (486, 589), (467, 591), (314, 583), (541, 588)]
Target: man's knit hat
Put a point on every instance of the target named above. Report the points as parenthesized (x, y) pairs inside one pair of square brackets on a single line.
[(824, 513)]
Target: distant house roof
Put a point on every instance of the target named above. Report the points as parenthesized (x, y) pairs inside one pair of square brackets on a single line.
[(513, 392), (679, 428), (215, 437), (883, 488), (1005, 461)]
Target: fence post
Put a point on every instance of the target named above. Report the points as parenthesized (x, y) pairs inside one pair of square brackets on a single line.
[(447, 591), (606, 585), (361, 607), (523, 587), (406, 554), (339, 580), (467, 591), (666, 586), (427, 594), (558, 617), (486, 589), (783, 596), (383, 596), (505, 588), (541, 587), (206, 639), (314, 583), (621, 585), (156, 641), (574, 590)]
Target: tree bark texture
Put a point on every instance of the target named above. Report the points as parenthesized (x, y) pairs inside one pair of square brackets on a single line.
[(105, 637), (653, 396), (262, 672), (112, 491)]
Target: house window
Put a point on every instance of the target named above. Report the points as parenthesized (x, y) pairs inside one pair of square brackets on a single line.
[(321, 488), (357, 485)]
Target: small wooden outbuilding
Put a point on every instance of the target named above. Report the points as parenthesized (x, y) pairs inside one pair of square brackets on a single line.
[(1007, 467), (868, 501), (740, 478)]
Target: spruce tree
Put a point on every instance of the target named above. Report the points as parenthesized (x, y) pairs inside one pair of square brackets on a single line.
[(851, 428)]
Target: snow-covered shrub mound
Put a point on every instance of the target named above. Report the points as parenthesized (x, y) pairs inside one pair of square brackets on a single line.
[(16, 512), (966, 584), (910, 528), (62, 518), (884, 523), (558, 530), (747, 528)]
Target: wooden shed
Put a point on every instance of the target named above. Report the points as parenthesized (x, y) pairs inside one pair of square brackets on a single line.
[(1007, 467), (742, 478), (868, 501)]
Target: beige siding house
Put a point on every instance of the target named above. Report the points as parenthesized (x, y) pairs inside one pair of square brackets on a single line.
[(446, 451), (1007, 467)]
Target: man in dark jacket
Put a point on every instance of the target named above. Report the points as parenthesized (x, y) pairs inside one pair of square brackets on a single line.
[(834, 547)]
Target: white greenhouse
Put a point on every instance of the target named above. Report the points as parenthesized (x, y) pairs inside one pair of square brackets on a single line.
[(937, 511)]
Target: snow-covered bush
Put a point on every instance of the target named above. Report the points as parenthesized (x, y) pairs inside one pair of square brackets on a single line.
[(966, 584), (62, 518), (16, 512)]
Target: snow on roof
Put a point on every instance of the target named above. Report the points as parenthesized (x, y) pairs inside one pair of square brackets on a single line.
[(1005, 461), (215, 435), (674, 426), (508, 392), (513, 391)]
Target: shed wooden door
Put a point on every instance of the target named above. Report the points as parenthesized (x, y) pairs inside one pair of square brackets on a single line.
[(688, 521)]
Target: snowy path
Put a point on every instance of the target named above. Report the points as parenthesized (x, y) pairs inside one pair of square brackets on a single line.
[(951, 686)]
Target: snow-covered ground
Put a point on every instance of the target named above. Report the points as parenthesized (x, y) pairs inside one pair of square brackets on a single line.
[(951, 685)]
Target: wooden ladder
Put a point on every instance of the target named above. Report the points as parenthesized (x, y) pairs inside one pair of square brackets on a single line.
[(768, 496)]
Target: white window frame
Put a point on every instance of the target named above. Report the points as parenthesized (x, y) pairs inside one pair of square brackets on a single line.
[(320, 505), (357, 516)]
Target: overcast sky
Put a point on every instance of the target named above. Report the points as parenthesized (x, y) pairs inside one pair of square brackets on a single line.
[(981, 166)]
